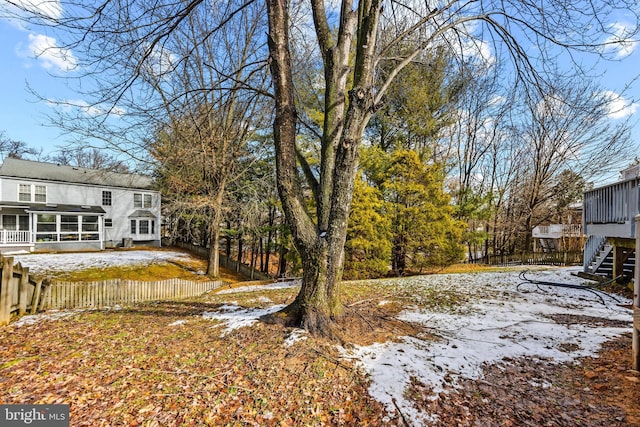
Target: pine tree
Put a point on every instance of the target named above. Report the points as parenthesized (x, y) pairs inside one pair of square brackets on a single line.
[(425, 233), (368, 245)]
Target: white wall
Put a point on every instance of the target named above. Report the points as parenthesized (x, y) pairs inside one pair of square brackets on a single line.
[(81, 194)]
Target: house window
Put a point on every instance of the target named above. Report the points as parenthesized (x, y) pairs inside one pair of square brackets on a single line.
[(108, 222), (23, 222), (24, 192), (32, 193), (69, 223), (106, 198), (141, 200), (90, 228), (9, 222), (133, 226), (46, 230), (15, 222), (143, 226), (64, 228), (40, 194)]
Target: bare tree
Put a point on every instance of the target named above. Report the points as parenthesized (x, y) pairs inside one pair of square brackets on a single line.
[(89, 158), (348, 41), (13, 148), (566, 128), (212, 118)]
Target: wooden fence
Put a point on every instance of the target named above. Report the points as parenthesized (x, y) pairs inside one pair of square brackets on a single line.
[(19, 291), (531, 258), (108, 293)]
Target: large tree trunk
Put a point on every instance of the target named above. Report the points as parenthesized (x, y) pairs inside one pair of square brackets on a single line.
[(213, 266), (321, 245)]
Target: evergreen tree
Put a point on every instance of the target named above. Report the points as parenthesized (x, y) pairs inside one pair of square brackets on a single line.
[(425, 233), (368, 245)]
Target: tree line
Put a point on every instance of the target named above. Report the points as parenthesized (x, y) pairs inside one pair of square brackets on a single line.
[(397, 135)]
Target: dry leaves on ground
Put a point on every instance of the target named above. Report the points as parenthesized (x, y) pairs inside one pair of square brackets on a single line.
[(163, 364)]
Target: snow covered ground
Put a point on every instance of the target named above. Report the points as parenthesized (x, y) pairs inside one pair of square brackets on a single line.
[(43, 263), (501, 322)]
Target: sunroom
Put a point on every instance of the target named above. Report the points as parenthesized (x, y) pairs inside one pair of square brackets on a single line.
[(51, 227)]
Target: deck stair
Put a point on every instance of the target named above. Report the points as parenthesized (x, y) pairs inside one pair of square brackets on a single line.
[(548, 245), (602, 264)]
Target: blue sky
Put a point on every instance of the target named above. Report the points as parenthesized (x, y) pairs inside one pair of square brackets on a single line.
[(23, 117)]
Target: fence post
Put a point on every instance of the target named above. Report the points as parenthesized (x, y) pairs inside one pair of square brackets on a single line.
[(5, 289), (44, 295), (36, 296), (24, 282), (636, 301)]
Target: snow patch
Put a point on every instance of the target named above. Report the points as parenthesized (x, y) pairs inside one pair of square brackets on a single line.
[(500, 322), (295, 336), (235, 317), (178, 323), (260, 288), (44, 263), (37, 318)]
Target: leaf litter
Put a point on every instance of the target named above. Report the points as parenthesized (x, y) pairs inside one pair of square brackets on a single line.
[(455, 349)]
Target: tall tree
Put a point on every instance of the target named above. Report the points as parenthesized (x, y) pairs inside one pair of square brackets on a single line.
[(89, 158), (368, 245), (129, 36), (424, 232), (13, 148)]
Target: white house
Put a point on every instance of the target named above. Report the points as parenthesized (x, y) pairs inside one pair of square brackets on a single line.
[(45, 206)]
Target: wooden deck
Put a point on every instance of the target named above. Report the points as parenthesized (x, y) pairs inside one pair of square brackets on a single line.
[(610, 215), (610, 211)]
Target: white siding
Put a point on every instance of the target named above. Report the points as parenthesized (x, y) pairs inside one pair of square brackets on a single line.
[(121, 208)]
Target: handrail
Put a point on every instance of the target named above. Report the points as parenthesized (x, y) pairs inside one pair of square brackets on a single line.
[(613, 204), (14, 236), (592, 248)]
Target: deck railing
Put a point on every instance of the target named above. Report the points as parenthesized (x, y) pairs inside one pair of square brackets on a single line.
[(610, 211), (557, 231), (13, 236)]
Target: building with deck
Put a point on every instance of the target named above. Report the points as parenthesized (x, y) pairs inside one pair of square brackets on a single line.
[(609, 223), (46, 206), (564, 237)]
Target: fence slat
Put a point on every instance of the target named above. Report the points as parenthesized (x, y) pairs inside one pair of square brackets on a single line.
[(36, 296), (5, 291), (23, 291)]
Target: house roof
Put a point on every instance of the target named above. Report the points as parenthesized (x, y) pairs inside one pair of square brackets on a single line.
[(66, 208), (49, 207), (18, 168), (142, 214)]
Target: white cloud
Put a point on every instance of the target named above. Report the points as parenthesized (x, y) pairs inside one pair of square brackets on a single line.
[(46, 51), (478, 49), (620, 41), (619, 107), (88, 109)]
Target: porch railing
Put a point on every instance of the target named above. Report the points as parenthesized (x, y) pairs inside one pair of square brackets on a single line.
[(8, 237), (557, 231), (609, 211)]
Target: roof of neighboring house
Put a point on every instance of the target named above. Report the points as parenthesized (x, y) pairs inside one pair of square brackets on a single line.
[(18, 168)]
